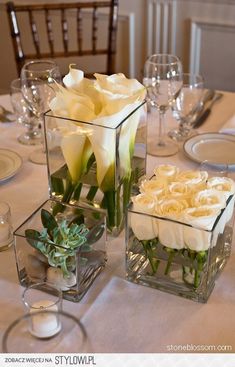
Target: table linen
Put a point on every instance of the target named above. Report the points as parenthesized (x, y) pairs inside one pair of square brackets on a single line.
[(120, 316)]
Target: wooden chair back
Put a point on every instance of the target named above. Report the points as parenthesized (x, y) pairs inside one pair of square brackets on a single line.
[(82, 10)]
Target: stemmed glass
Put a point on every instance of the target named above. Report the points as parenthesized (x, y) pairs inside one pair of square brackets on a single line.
[(32, 135), (186, 106), (38, 78), (163, 80)]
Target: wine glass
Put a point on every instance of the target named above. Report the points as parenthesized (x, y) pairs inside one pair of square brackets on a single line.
[(38, 78), (163, 80), (187, 104), (24, 115)]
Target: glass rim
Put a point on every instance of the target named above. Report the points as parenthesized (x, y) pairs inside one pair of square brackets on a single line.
[(34, 287), (38, 62), (156, 217), (49, 114), (198, 79), (161, 56), (28, 315)]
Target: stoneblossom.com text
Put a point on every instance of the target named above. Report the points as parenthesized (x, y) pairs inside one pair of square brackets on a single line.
[(199, 348)]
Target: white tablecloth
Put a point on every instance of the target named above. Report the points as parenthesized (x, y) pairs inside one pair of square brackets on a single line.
[(120, 316)]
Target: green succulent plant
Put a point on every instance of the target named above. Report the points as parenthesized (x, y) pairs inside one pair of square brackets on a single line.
[(59, 242)]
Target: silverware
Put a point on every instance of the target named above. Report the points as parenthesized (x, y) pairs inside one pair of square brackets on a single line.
[(6, 115), (202, 116)]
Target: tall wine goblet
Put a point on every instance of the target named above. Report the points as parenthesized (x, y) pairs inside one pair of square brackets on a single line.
[(163, 80), (38, 78), (24, 115), (186, 106)]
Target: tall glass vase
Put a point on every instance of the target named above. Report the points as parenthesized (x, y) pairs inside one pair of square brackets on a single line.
[(96, 165)]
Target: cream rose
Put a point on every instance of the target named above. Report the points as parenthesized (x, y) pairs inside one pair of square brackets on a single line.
[(171, 208), (223, 184), (141, 224), (166, 171), (209, 197), (170, 233), (155, 187), (179, 190), (226, 186), (199, 239), (196, 180)]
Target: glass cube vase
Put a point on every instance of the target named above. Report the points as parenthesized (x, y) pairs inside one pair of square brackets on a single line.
[(82, 266), (95, 164), (175, 257)]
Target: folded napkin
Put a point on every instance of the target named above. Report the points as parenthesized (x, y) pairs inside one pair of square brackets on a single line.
[(229, 126)]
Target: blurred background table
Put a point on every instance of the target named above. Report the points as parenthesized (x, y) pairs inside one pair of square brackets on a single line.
[(120, 316)]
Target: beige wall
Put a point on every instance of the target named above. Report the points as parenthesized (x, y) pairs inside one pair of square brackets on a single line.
[(200, 32)]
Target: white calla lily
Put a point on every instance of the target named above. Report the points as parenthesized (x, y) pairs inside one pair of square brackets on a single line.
[(76, 151), (73, 79), (111, 106)]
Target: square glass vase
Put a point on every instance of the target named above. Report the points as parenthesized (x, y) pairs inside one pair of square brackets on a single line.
[(73, 272), (175, 257), (95, 164)]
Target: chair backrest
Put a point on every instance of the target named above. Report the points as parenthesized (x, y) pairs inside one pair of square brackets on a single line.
[(83, 11)]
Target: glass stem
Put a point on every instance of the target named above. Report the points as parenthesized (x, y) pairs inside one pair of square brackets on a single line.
[(41, 128), (161, 142)]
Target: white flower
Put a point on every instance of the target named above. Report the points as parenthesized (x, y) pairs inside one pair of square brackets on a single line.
[(167, 171), (171, 233), (76, 150), (209, 197), (198, 237), (155, 187), (223, 184), (117, 91), (142, 224), (179, 189), (104, 103), (196, 180), (202, 217), (171, 208), (226, 186)]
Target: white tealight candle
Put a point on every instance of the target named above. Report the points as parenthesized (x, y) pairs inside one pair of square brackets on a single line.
[(44, 325)]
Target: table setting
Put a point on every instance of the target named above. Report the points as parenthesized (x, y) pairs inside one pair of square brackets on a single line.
[(136, 238)]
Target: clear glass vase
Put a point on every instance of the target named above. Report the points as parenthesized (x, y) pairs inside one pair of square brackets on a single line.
[(175, 257), (97, 165), (82, 266)]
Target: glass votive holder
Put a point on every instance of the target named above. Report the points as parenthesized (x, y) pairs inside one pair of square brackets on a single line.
[(6, 230), (72, 337), (43, 297)]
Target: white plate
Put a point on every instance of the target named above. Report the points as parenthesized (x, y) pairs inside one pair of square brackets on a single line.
[(214, 147), (10, 163)]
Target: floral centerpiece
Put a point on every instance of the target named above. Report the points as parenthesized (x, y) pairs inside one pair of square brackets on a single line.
[(95, 152), (180, 231)]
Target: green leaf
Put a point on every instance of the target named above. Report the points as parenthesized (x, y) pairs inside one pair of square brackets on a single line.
[(48, 221), (33, 238)]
